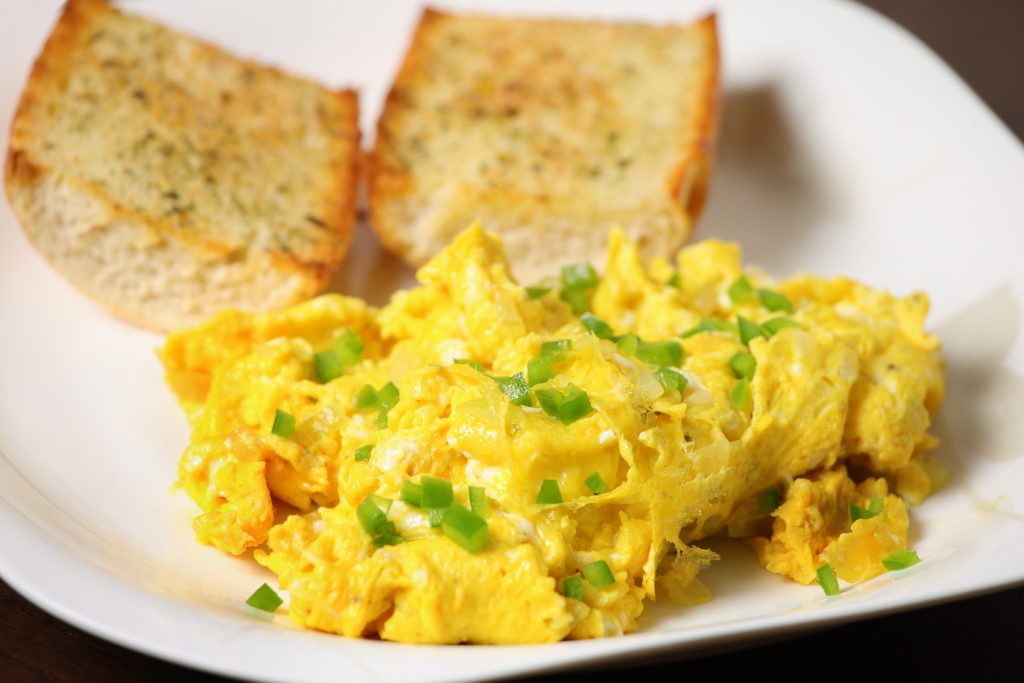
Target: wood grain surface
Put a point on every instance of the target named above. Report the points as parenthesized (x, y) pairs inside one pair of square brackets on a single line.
[(976, 639)]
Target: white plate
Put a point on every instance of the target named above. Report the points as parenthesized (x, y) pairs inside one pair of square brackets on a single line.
[(847, 148)]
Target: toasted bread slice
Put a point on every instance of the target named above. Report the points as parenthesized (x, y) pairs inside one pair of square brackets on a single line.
[(548, 132), (169, 180)]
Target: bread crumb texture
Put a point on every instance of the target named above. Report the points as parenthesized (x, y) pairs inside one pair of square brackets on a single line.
[(548, 132), (169, 180)]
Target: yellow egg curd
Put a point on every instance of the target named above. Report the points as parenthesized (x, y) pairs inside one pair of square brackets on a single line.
[(487, 463)]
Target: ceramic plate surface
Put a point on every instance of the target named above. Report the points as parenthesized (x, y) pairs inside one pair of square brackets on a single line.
[(846, 147)]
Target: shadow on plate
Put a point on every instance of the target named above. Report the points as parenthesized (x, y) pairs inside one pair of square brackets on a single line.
[(980, 417), (983, 398), (370, 272), (764, 191)]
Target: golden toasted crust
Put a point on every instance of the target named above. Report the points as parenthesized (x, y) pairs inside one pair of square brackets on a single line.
[(545, 129), (216, 167), (697, 153)]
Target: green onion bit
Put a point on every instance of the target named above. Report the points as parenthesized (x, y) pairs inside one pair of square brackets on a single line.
[(388, 395), (740, 289), (538, 371), (478, 500), (347, 351), (576, 280), (749, 330), (549, 493), (628, 343), (466, 528), (663, 353), (516, 388), (580, 275), (349, 348), (774, 325), (595, 482), (437, 492), (740, 394), (709, 325), (327, 366), (900, 559), (265, 598), (284, 424), (598, 574), (567, 407), (743, 365), (371, 517), (366, 397), (578, 299), (475, 364), (572, 587), (827, 579), (555, 350), (575, 405), (598, 327), (875, 506), (412, 493), (775, 301), (769, 500), (375, 522), (670, 379)]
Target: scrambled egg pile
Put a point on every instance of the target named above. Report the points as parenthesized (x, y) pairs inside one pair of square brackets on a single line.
[(482, 462)]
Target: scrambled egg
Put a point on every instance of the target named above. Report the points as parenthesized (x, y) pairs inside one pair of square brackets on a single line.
[(691, 399)]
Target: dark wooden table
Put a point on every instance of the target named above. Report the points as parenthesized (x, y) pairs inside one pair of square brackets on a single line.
[(977, 639)]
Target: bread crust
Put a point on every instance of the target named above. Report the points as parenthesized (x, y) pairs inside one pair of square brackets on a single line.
[(697, 156), (407, 217), (204, 244)]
